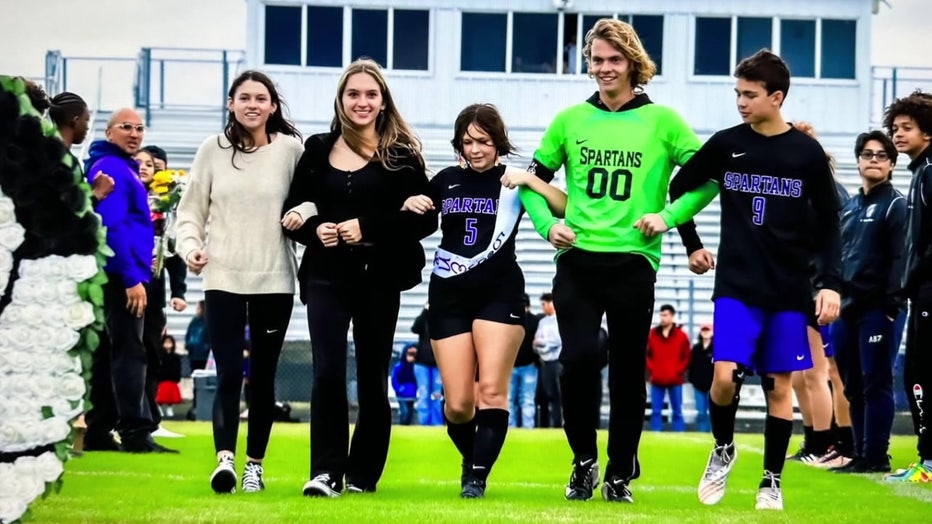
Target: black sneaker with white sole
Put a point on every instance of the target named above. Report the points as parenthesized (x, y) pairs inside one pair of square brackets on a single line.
[(322, 486), (252, 478), (223, 479), (473, 488), (616, 489), (583, 480)]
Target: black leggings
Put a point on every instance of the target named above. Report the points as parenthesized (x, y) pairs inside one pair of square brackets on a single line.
[(374, 312), (268, 316)]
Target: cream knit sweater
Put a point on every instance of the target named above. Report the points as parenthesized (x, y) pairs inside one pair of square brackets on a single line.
[(234, 215)]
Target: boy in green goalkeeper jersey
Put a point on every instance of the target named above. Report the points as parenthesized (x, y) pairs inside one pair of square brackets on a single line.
[(618, 149)]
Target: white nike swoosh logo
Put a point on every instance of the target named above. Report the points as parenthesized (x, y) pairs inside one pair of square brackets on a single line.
[(512, 315), (270, 331), (451, 186), (824, 346), (736, 155), (586, 462), (800, 357)]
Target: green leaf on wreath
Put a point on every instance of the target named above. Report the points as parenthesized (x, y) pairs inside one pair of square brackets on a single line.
[(96, 294), (47, 412), (92, 340), (62, 450)]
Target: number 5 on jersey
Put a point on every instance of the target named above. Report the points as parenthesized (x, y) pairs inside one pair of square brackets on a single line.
[(471, 231)]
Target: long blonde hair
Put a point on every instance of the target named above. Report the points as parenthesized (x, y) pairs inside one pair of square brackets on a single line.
[(396, 138), (624, 38)]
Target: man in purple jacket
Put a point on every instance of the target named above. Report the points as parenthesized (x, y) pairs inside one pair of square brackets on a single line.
[(125, 214)]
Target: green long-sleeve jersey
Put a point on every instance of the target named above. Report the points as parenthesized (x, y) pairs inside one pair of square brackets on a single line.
[(618, 166)]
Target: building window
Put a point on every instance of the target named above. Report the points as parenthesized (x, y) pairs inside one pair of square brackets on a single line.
[(534, 46), (713, 46), (715, 54), (370, 35), (282, 35), (395, 38), (838, 45), (797, 46), (411, 40), (482, 47), (325, 36), (754, 34), (650, 30)]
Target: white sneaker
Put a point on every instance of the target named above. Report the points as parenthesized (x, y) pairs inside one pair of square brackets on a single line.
[(223, 479), (770, 496), (164, 433), (712, 484), (321, 486)]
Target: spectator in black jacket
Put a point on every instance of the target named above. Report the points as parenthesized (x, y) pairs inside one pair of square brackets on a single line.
[(700, 375), (909, 121), (429, 387), (873, 229), (523, 391)]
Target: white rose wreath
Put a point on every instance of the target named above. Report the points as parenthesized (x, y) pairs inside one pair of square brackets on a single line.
[(52, 250)]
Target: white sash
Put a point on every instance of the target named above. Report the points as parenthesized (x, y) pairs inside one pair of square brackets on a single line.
[(447, 264)]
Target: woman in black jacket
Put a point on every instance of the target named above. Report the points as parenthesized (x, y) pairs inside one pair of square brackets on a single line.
[(362, 251), (700, 375)]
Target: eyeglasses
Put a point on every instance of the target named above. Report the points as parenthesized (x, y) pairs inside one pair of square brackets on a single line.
[(867, 154), (705, 329), (126, 126)]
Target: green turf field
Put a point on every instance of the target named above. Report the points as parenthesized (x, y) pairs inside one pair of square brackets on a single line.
[(421, 484)]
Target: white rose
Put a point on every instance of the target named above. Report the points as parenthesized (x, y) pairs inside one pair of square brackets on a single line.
[(21, 335), (29, 486), (57, 267), (48, 467), (17, 408), (60, 363), (47, 290), (4, 278), (79, 315), (71, 386), (19, 361), (11, 508), (14, 314), (61, 340), (55, 429), (11, 436), (26, 291), (6, 261), (42, 386), (5, 340), (81, 267), (36, 314), (67, 292), (31, 268), (11, 236), (7, 211), (61, 407)]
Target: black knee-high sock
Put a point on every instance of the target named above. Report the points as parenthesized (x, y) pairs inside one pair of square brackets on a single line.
[(807, 437), (722, 419), (777, 433), (491, 427), (463, 435)]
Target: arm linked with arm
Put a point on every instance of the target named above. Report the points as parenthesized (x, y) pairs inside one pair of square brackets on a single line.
[(301, 195), (384, 225)]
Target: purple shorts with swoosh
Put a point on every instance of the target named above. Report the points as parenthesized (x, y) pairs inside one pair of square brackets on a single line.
[(764, 340)]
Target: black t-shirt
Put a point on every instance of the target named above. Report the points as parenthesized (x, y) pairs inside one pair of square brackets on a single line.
[(767, 185), (469, 205)]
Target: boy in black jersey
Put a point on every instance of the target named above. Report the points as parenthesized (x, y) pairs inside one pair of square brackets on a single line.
[(770, 175), (909, 123), (477, 309)]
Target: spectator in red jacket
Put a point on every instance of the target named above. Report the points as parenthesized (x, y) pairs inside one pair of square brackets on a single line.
[(667, 360)]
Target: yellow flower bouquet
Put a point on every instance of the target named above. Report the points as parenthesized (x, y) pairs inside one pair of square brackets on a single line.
[(165, 192)]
